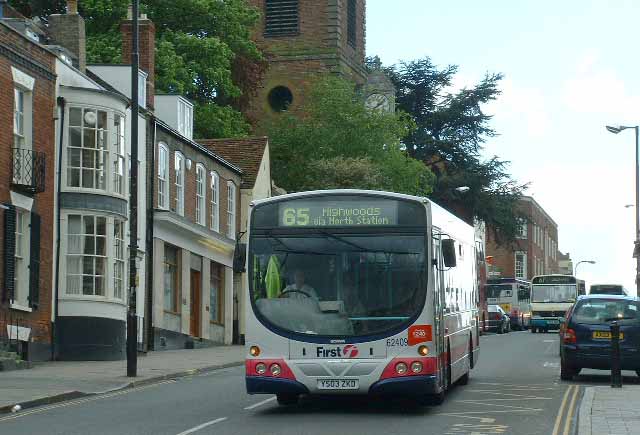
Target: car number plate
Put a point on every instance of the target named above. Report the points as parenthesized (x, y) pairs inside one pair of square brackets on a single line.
[(338, 384), (605, 334)]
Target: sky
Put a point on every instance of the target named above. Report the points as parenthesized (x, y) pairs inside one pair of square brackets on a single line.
[(570, 68)]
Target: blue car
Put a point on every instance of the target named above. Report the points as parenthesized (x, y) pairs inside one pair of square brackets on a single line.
[(585, 340)]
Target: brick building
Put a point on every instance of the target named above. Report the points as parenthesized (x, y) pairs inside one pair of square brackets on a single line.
[(535, 251), (27, 101), (301, 39)]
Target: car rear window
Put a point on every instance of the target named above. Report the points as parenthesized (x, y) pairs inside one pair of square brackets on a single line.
[(597, 311)]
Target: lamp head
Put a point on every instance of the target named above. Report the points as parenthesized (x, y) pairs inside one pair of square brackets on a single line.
[(614, 129), (462, 189)]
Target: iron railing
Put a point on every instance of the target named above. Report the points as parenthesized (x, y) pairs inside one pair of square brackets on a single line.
[(28, 170)]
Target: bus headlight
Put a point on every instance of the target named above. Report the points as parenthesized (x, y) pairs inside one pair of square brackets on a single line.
[(261, 369), (254, 351), (416, 367), (423, 350), (275, 369), (401, 368)]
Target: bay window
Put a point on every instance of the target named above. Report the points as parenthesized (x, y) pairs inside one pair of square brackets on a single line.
[(86, 255), (119, 153), (118, 259), (87, 148)]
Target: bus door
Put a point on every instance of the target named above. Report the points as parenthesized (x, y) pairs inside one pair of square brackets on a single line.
[(439, 300)]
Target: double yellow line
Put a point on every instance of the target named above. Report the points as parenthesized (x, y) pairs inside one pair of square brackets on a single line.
[(572, 391)]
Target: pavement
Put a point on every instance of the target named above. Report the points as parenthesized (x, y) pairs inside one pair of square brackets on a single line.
[(514, 389), (610, 411), (55, 381)]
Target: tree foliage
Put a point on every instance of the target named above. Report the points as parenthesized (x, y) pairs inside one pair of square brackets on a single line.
[(197, 45), (451, 128), (334, 141)]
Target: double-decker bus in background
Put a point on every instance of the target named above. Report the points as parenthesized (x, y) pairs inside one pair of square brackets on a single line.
[(551, 297), (514, 296), (359, 292)]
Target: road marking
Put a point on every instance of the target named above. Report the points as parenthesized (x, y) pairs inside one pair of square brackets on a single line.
[(549, 341), (553, 365), (512, 385), (498, 405), (567, 423), (202, 426), (482, 419), (255, 405), (479, 429), (498, 393), (556, 426), (83, 400)]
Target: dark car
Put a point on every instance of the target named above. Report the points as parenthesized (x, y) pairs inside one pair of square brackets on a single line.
[(498, 320), (586, 335)]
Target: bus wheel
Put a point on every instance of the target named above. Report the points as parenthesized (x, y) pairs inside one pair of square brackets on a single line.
[(533, 330), (287, 399)]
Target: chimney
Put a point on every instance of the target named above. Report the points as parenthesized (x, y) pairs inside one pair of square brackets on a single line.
[(68, 31), (146, 47)]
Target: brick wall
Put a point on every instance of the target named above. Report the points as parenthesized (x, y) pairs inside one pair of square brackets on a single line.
[(225, 174), (146, 47), (320, 47), (31, 59), (504, 255)]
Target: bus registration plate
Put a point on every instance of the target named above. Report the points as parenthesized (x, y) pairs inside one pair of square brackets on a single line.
[(337, 384)]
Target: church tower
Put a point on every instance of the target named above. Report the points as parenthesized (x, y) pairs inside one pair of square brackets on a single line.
[(301, 39)]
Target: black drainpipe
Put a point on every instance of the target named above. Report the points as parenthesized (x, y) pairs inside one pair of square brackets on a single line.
[(149, 244), (54, 336)]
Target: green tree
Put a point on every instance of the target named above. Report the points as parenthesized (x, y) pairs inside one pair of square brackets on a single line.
[(451, 128), (334, 141), (198, 43)]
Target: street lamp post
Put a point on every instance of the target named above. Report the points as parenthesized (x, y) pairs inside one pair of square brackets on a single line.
[(636, 246), (575, 270)]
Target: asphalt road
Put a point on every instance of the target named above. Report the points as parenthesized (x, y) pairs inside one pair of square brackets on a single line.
[(514, 389)]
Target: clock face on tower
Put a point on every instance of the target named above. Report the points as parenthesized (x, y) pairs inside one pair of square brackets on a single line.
[(378, 102)]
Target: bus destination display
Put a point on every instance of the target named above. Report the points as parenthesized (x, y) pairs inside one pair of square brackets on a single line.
[(373, 212), (554, 279)]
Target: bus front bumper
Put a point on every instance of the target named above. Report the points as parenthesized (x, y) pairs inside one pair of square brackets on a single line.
[(406, 386), (270, 385)]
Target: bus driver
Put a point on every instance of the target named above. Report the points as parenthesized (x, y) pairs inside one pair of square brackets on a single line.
[(299, 289)]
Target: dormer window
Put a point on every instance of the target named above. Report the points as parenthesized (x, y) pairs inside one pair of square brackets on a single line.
[(185, 118)]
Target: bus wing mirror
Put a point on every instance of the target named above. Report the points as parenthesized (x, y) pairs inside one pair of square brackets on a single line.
[(449, 252)]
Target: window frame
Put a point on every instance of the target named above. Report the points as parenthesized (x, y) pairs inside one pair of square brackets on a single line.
[(21, 257), (164, 193), (107, 150), (82, 255), (119, 258), (231, 209), (201, 194), (219, 278), (522, 232), (119, 155), (214, 223), (352, 21), (175, 307), (523, 264), (179, 177)]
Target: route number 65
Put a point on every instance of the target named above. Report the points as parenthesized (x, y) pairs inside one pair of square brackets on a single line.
[(296, 217)]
